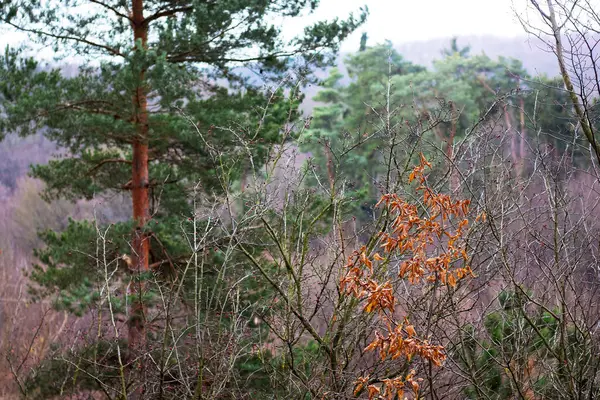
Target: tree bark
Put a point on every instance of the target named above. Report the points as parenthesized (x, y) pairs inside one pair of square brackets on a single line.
[(139, 186)]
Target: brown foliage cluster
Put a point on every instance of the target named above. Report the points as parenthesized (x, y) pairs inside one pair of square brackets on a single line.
[(439, 223)]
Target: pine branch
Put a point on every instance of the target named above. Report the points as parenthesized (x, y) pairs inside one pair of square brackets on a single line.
[(167, 13), (78, 106), (107, 161), (190, 56), (111, 8), (109, 49)]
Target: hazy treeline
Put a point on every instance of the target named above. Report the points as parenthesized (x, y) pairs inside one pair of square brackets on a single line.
[(185, 230)]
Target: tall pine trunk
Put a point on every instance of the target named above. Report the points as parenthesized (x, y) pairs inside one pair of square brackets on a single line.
[(140, 182)]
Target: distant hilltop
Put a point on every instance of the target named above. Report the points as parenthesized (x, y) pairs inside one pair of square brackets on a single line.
[(531, 51)]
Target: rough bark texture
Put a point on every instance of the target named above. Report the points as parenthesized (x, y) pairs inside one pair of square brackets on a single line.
[(139, 180)]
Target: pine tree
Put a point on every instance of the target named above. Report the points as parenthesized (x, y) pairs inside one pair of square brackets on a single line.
[(458, 90), (454, 49), (145, 114), (349, 119)]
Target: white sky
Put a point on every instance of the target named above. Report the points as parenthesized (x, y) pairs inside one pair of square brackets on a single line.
[(406, 20), (415, 20)]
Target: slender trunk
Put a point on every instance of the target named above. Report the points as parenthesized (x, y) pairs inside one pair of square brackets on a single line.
[(450, 142), (244, 180), (330, 167), (454, 178), (454, 181), (507, 122), (513, 135), (139, 180), (522, 136)]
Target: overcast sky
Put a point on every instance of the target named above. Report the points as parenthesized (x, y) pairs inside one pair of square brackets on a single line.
[(416, 20), (407, 20)]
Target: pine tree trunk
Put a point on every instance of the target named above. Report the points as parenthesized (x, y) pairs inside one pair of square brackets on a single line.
[(140, 181)]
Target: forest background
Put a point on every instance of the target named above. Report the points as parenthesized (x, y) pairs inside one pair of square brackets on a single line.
[(201, 207)]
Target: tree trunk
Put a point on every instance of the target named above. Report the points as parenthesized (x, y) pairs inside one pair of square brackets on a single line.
[(522, 136), (454, 174), (507, 122), (330, 167), (513, 135), (139, 180)]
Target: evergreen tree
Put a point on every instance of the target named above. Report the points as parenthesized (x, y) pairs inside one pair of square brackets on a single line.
[(442, 102), (145, 116), (363, 41), (349, 119), (520, 337), (454, 49), (550, 122), (458, 90)]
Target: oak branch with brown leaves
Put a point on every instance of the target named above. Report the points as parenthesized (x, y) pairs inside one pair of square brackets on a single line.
[(427, 241)]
